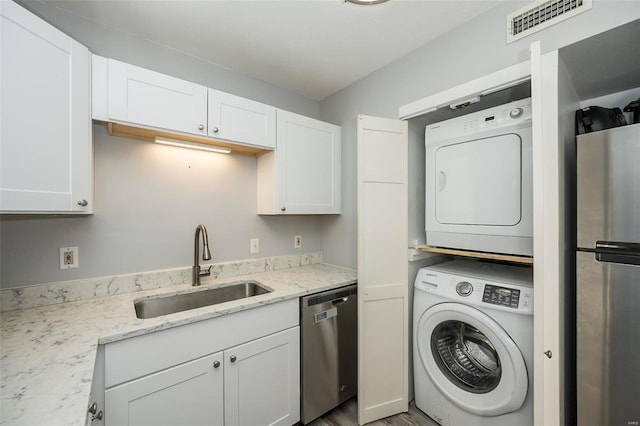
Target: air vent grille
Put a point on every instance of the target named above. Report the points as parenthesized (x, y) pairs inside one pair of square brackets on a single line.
[(541, 15)]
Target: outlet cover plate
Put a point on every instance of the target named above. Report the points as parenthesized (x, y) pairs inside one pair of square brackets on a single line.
[(297, 241), (68, 257), (255, 245)]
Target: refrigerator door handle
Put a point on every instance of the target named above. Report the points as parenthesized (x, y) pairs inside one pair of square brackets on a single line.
[(618, 252)]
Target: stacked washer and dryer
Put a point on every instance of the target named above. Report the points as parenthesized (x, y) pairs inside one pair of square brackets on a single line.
[(473, 320)]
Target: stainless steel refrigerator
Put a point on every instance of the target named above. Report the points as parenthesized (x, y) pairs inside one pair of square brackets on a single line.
[(608, 277)]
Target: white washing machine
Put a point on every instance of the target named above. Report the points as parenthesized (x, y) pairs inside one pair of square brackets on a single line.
[(473, 343)]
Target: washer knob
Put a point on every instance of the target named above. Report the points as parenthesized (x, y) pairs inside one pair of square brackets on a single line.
[(516, 112), (464, 288)]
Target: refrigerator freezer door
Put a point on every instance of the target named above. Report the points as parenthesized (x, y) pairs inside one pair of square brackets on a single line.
[(608, 186), (608, 342)]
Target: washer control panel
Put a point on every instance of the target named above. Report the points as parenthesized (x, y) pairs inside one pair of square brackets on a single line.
[(505, 288), (502, 296)]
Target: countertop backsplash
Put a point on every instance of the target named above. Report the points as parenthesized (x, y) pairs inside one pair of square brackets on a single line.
[(88, 288)]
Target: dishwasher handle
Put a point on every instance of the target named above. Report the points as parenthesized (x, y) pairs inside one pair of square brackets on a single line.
[(339, 301), (336, 297)]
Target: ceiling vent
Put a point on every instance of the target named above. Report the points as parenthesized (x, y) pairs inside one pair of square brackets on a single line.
[(541, 15)]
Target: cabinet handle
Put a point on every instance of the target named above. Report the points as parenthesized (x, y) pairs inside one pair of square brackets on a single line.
[(283, 208), (93, 408), (216, 364), (548, 354), (232, 358), (83, 203), (215, 130), (200, 126)]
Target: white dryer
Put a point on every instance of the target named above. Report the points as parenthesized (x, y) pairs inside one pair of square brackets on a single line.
[(473, 344), (478, 181)]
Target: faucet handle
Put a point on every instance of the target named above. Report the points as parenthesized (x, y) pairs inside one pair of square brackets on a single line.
[(205, 272)]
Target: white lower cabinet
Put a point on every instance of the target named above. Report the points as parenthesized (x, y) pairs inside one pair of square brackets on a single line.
[(238, 369), (262, 381), (187, 394)]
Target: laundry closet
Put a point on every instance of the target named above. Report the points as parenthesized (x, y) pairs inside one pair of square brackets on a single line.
[(600, 70)]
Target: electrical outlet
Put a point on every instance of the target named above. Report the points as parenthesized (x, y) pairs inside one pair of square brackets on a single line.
[(68, 257), (255, 245), (297, 241)]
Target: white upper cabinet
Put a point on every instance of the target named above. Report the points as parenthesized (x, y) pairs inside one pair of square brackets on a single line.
[(140, 96), (302, 176), (45, 140), (168, 106), (241, 120)]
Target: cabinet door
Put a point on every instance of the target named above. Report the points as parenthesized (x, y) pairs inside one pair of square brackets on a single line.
[(96, 417), (140, 96), (307, 168), (45, 140), (262, 381), (188, 394), (241, 120)]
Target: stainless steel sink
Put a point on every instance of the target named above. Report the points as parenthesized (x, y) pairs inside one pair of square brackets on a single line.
[(172, 303)]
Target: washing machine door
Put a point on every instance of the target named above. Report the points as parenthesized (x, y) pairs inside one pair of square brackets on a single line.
[(471, 359)]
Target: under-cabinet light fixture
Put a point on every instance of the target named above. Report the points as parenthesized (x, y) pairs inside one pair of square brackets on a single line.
[(192, 145)]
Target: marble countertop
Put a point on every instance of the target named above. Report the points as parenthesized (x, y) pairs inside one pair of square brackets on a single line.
[(48, 353)]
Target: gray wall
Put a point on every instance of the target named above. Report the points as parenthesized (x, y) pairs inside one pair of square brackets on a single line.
[(469, 52), (149, 198)]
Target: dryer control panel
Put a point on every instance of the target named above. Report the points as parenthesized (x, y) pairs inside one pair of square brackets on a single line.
[(501, 287), (512, 114)]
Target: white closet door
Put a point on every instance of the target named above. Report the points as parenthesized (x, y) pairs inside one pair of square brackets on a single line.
[(383, 328), (554, 102)]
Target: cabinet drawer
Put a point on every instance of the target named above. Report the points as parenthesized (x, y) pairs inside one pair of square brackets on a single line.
[(131, 358)]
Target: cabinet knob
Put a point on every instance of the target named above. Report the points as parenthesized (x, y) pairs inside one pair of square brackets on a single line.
[(283, 208), (200, 126), (548, 354), (216, 364), (215, 130), (83, 203), (232, 358)]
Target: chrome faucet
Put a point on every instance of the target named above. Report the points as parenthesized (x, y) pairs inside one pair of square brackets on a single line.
[(206, 255)]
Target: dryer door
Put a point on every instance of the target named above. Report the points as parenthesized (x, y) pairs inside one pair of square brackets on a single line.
[(471, 359), (478, 182)]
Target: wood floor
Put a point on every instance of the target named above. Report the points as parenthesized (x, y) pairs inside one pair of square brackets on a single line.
[(347, 415)]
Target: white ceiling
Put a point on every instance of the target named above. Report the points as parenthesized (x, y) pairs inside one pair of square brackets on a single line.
[(311, 47)]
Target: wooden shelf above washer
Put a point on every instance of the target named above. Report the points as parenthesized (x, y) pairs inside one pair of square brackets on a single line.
[(527, 260)]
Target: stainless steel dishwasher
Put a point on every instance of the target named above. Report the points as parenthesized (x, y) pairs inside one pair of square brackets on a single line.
[(329, 350)]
